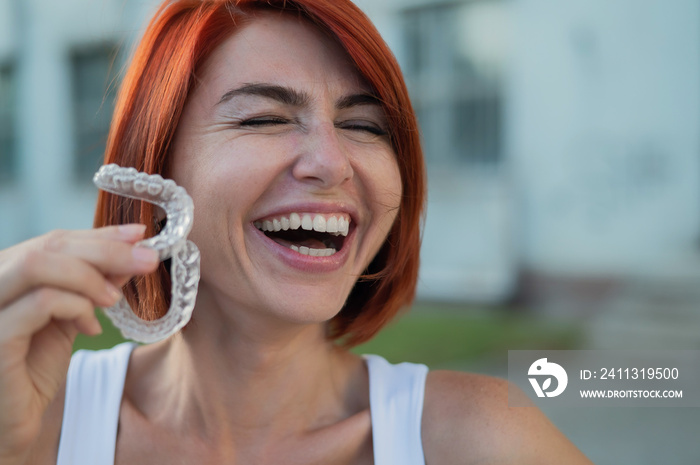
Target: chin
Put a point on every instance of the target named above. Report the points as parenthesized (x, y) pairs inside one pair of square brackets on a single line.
[(314, 307)]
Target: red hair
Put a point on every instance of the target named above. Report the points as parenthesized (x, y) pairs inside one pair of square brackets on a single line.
[(153, 94)]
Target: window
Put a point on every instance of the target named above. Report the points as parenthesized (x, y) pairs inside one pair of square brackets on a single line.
[(453, 65), (8, 139), (93, 72)]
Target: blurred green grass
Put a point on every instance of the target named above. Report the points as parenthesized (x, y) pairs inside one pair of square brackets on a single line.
[(110, 336), (437, 334), (456, 336)]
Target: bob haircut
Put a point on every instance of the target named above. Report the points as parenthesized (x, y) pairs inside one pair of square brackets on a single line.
[(154, 92)]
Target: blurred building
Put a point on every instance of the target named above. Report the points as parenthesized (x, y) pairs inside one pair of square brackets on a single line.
[(562, 138), (58, 61)]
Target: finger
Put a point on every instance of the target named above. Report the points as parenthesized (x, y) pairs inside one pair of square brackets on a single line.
[(48, 356), (125, 232), (119, 281), (110, 257), (35, 310), (46, 269), (37, 332), (129, 233)]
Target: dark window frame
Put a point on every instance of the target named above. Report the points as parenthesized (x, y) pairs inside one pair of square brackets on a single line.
[(93, 80), (460, 111), (8, 122)]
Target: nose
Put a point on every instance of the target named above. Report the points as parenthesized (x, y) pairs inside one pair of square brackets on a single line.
[(323, 160)]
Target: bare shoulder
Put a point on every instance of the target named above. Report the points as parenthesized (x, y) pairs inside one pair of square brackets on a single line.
[(466, 419)]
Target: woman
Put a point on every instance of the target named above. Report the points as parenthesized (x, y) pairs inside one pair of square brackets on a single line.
[(267, 111)]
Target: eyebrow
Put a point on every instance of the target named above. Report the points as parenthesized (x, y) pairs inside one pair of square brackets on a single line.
[(292, 97), (281, 94), (358, 99)]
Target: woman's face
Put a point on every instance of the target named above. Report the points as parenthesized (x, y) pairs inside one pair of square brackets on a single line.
[(285, 152)]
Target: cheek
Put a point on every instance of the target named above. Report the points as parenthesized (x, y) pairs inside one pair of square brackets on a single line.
[(396, 187), (389, 186), (225, 180), (226, 172), (383, 179)]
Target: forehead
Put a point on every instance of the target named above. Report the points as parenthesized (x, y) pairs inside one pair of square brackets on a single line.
[(282, 49)]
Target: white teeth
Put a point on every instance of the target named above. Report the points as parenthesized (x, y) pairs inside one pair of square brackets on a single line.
[(313, 252), (343, 226), (333, 225), (319, 223), (306, 223)]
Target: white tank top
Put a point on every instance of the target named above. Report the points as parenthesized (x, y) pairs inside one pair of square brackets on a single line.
[(95, 385)]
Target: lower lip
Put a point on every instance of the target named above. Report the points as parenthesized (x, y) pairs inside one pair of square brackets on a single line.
[(306, 263)]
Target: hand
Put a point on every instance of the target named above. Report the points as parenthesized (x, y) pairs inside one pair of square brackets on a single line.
[(49, 288)]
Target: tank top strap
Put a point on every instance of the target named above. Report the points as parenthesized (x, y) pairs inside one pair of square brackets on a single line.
[(94, 389), (396, 406)]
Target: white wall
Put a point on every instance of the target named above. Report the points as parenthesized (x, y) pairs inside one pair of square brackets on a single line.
[(602, 146), (603, 124), (46, 195), (7, 29)]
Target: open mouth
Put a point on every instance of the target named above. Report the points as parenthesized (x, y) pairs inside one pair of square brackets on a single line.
[(314, 234)]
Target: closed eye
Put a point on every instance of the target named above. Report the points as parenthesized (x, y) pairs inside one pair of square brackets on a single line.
[(362, 126), (263, 121)]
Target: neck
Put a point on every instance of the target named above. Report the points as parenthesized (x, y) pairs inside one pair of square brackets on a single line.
[(267, 381)]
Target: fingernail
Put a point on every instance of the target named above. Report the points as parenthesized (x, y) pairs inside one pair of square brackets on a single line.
[(145, 255), (131, 230), (95, 327), (113, 292)]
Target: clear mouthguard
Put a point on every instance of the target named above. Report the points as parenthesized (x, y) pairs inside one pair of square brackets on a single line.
[(171, 243)]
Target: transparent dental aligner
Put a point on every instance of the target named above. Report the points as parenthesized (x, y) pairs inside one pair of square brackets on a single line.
[(171, 243)]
